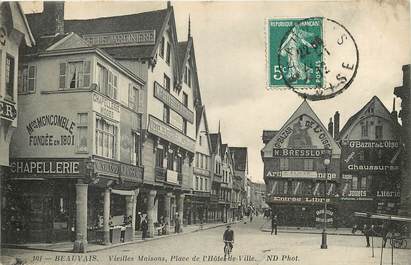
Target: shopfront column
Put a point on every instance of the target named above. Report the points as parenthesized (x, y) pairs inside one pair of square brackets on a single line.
[(134, 211), (106, 217), (167, 202), (180, 210), (150, 212), (80, 244)]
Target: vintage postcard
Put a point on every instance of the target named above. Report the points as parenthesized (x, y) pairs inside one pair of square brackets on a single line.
[(205, 132)]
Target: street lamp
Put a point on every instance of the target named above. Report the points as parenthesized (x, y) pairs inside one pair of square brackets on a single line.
[(327, 161)]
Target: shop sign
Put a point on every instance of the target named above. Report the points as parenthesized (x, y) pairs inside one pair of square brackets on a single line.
[(357, 193), (304, 131), (51, 167), (371, 156), (50, 138), (201, 171), (130, 171), (320, 216), (165, 131), (388, 194), (106, 107), (7, 111), (299, 174), (357, 198), (292, 152), (297, 199), (164, 96), (172, 176), (119, 39), (117, 169)]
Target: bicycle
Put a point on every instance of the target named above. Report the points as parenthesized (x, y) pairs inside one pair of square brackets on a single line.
[(227, 248)]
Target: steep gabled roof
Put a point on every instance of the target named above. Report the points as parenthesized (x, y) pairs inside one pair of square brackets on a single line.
[(303, 110), (215, 139), (357, 116), (152, 20), (240, 157)]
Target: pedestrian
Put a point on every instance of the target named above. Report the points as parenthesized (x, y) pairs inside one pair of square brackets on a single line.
[(366, 231), (274, 224), (144, 226), (177, 224)]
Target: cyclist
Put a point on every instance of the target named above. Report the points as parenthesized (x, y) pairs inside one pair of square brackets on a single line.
[(228, 237)]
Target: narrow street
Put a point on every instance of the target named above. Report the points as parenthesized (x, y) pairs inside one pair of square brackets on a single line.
[(251, 247)]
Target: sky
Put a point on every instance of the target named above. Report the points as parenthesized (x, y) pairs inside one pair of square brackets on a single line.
[(229, 41)]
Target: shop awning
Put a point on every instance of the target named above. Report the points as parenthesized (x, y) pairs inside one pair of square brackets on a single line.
[(123, 192), (383, 216)]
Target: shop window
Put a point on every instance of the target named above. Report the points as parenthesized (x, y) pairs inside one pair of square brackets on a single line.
[(136, 149), (133, 97), (168, 53), (82, 132), (308, 164), (107, 82), (364, 129), (106, 139), (354, 183), (162, 47), (27, 79), (159, 156), (166, 114), (9, 76), (74, 75), (284, 163), (378, 132)]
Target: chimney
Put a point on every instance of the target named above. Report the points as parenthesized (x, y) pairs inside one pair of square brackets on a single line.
[(394, 114), (53, 17), (336, 125), (168, 4), (330, 127)]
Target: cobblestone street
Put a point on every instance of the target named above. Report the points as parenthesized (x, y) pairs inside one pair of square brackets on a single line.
[(252, 246)]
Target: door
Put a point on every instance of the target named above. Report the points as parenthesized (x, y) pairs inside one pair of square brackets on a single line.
[(40, 220)]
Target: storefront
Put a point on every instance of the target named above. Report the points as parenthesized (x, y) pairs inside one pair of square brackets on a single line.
[(371, 153), (301, 169)]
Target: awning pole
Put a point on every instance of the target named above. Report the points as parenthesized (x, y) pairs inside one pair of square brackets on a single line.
[(382, 248), (392, 251), (372, 243)]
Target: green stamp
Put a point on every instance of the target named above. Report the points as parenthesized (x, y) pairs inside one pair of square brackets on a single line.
[(315, 57), (294, 51)]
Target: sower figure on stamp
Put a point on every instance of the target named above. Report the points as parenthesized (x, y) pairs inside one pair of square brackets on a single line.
[(274, 224)]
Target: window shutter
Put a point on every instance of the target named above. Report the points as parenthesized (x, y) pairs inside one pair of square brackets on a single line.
[(86, 73), (115, 86), (62, 76), (110, 84), (20, 79)]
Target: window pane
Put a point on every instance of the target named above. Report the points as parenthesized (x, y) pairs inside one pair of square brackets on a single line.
[(9, 76)]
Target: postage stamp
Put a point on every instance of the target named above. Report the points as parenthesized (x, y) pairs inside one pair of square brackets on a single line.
[(315, 57)]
